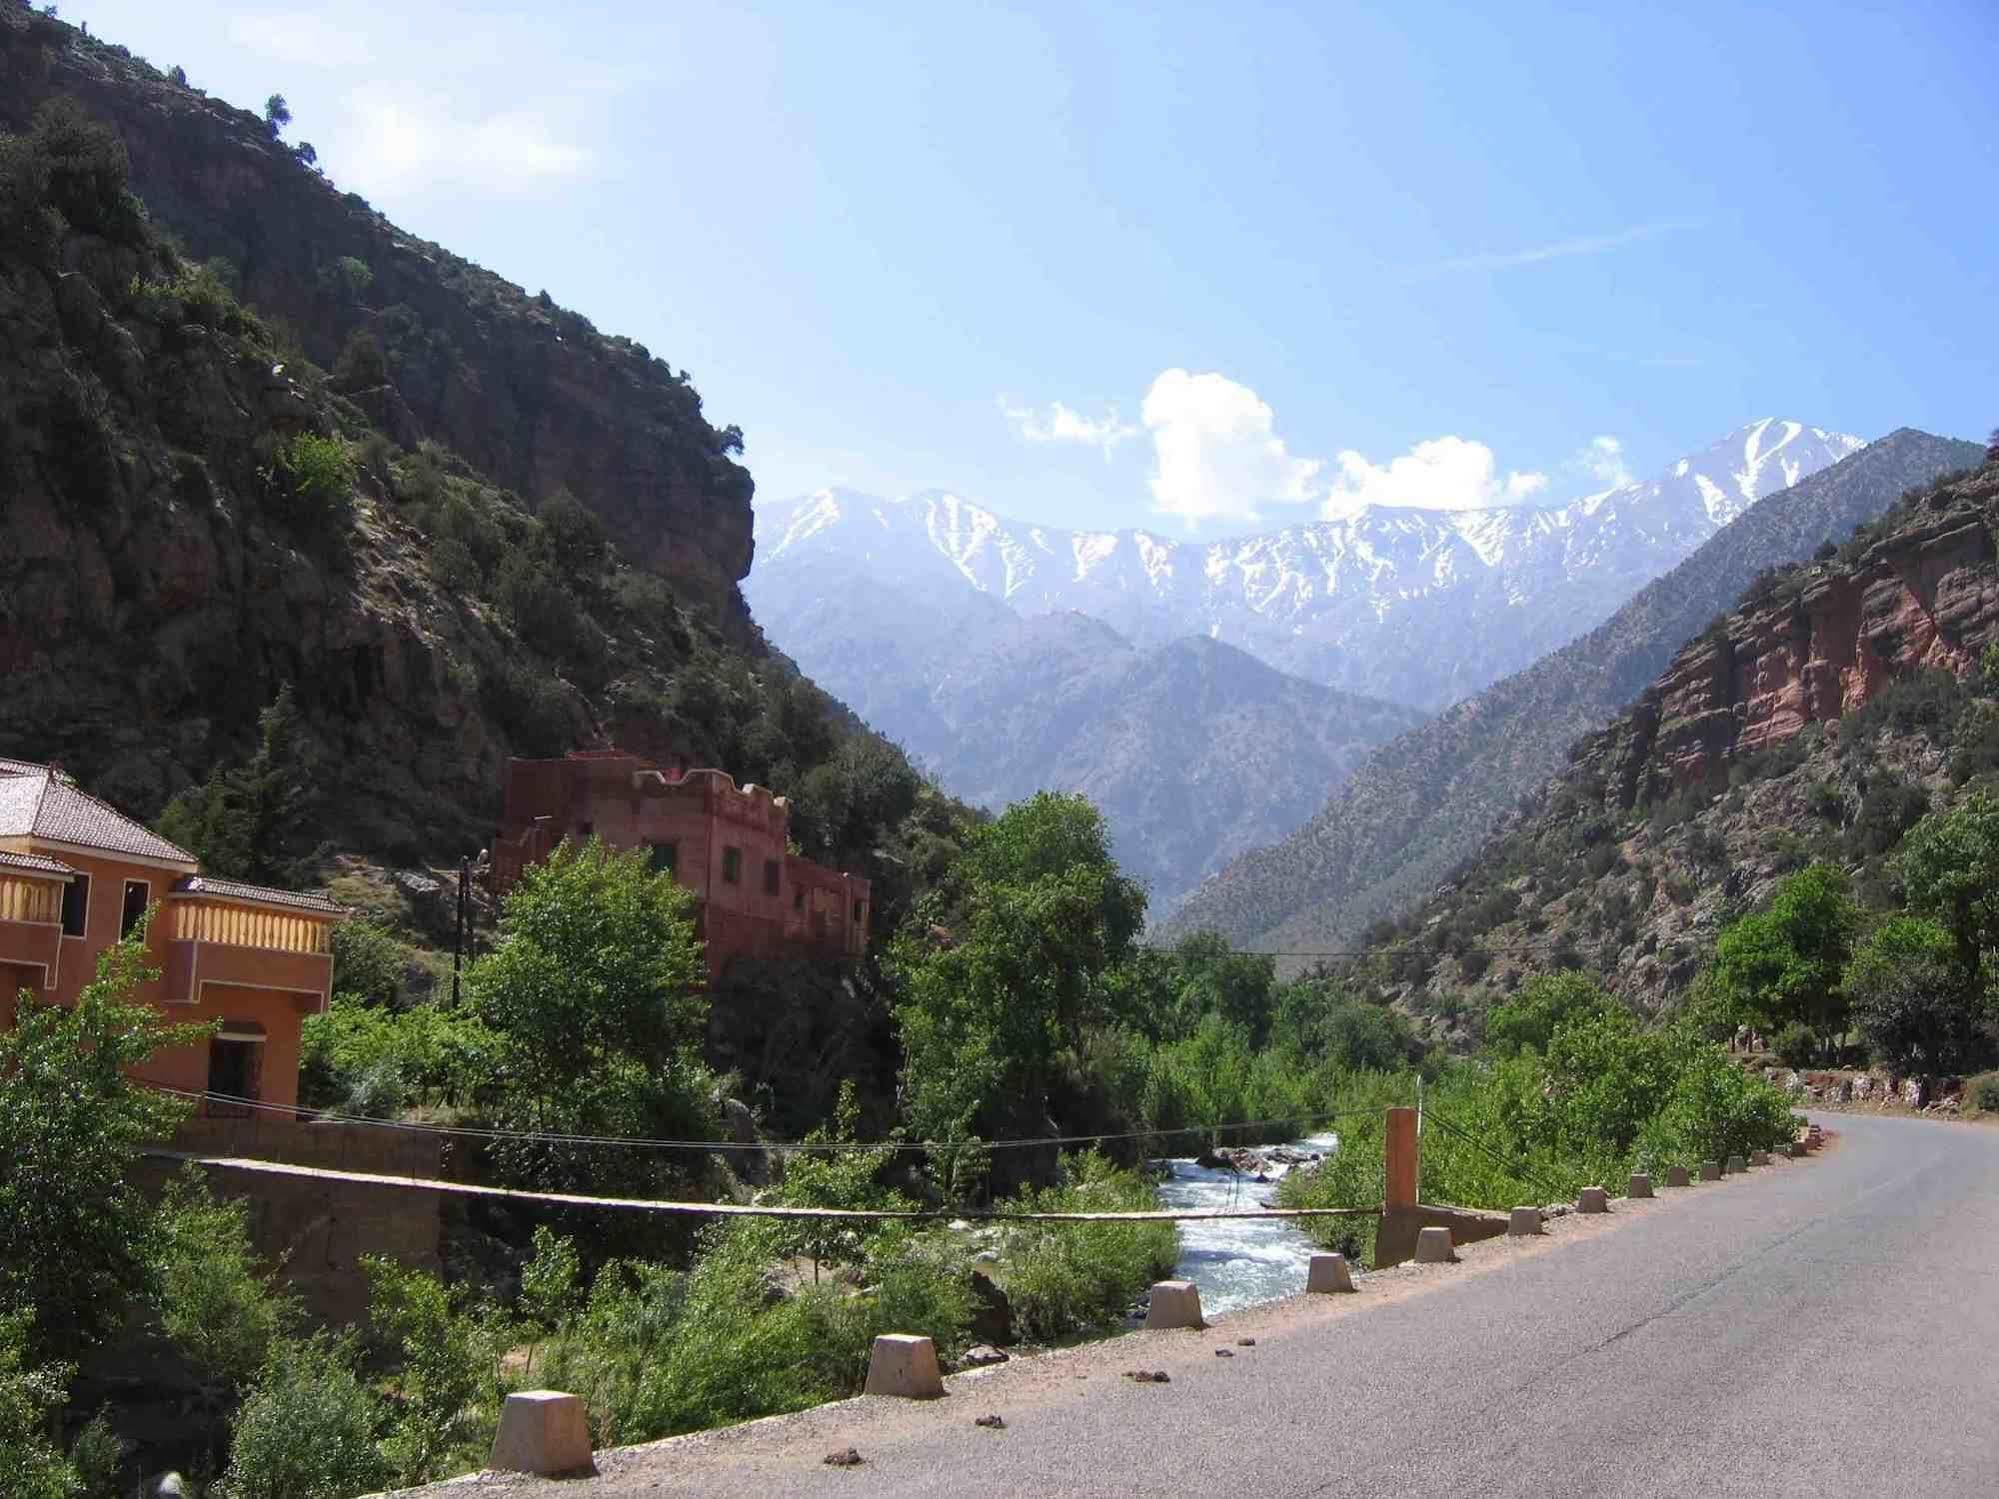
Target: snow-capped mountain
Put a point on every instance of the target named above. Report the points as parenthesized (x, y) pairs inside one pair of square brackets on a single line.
[(1412, 605)]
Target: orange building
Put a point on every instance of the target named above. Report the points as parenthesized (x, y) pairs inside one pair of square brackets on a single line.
[(76, 875), (728, 844)]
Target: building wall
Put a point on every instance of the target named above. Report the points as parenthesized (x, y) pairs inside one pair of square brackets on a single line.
[(104, 917), (627, 804), (280, 1013), (271, 987)]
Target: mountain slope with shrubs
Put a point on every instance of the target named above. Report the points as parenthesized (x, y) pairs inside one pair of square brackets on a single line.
[(1424, 802), (196, 521), (1845, 713)]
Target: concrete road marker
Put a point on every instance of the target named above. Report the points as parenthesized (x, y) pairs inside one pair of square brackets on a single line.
[(1641, 1185), (1433, 1247), (544, 1432), (1736, 1165), (1175, 1303), (1593, 1200), (1710, 1171), (1523, 1223), (904, 1365), (1328, 1273), (1676, 1176)]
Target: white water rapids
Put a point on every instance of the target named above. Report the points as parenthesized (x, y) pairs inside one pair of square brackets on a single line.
[(1241, 1263)]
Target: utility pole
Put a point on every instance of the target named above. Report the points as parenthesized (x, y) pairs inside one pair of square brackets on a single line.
[(464, 919)]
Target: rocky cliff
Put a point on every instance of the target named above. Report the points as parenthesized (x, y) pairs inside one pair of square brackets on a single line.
[(1425, 801), (1819, 719), (427, 343), (191, 520), (1821, 644)]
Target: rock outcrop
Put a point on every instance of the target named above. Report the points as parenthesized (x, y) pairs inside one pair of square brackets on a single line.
[(1820, 645), (529, 394)]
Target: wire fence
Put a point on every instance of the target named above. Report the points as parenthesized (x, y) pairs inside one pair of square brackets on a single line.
[(739, 1210), (808, 1147)]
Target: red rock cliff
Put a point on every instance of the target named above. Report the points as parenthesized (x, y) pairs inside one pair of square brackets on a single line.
[(1816, 645)]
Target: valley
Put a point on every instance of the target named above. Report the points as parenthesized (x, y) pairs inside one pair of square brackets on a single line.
[(521, 874)]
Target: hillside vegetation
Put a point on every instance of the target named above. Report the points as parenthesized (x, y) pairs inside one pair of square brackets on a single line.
[(196, 517), (1425, 801), (1816, 724)]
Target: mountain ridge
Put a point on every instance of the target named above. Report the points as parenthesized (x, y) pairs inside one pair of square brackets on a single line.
[(1357, 602), (1423, 802)]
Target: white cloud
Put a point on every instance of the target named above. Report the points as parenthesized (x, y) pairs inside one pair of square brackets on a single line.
[(1216, 452), (400, 140), (1445, 473), (301, 39), (1058, 423), (1603, 460)]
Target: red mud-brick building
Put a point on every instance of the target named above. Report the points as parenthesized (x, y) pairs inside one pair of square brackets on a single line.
[(76, 875), (728, 844)]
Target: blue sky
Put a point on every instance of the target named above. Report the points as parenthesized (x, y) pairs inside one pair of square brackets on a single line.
[(1196, 268)]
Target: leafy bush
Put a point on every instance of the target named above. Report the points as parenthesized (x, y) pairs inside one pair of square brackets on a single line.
[(1064, 1278), (307, 1428), (221, 1308), (30, 1465), (1982, 1092), (318, 475), (426, 1054), (447, 1377), (1796, 1044)]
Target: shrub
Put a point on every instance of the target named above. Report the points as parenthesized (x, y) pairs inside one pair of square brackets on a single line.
[(1064, 1278), (1796, 1044), (317, 474), (220, 1307), (447, 1379), (426, 1053), (30, 1466), (307, 1429), (1982, 1092)]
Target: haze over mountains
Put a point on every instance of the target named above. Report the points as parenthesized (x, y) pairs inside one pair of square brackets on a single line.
[(1412, 605), (1211, 695)]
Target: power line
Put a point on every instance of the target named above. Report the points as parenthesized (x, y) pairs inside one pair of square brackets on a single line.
[(481, 1132), (740, 1210), (1518, 1171)]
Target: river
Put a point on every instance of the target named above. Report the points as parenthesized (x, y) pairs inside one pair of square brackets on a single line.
[(1241, 1263)]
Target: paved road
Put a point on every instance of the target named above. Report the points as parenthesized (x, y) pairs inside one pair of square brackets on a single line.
[(1828, 1326)]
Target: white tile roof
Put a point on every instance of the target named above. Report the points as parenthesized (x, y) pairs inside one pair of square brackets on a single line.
[(39, 801)]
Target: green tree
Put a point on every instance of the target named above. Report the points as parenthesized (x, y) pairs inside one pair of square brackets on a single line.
[(307, 1428), (218, 1305), (77, 1238), (277, 115), (1785, 964), (30, 1394), (1038, 921), (1950, 867), (595, 994), (1917, 1006), (1543, 1006), (1216, 980), (248, 823), (836, 1179)]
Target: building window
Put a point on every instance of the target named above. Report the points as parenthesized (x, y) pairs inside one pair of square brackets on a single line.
[(75, 905), (771, 876), (860, 913), (665, 857), (798, 899), (137, 893), (585, 829), (732, 866)]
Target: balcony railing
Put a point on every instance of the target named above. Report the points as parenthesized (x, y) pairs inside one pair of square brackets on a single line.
[(243, 926)]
